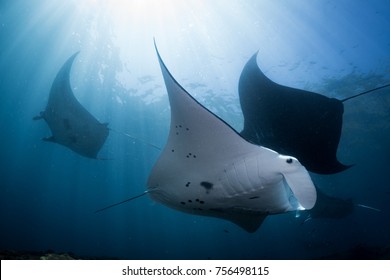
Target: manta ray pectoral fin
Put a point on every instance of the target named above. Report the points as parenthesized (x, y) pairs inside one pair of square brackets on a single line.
[(343, 167), (39, 117), (246, 219), (248, 222), (332, 167)]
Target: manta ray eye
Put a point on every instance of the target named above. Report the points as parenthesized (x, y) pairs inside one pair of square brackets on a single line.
[(289, 160)]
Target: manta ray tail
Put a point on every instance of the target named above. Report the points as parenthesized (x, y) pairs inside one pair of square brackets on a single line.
[(362, 93), (124, 201), (135, 138), (368, 207)]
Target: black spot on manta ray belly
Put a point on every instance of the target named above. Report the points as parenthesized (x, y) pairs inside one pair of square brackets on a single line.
[(197, 200), (207, 185), (289, 160), (189, 155), (180, 127)]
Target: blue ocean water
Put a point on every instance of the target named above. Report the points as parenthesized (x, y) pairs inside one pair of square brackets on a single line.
[(48, 194)]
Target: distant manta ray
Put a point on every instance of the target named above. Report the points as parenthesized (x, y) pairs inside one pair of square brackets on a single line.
[(70, 123), (207, 168), (291, 121), (330, 207)]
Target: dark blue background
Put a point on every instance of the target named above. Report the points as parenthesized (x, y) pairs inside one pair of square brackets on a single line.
[(48, 194)]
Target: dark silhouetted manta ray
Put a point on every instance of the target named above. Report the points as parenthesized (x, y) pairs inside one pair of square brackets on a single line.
[(70, 123), (291, 121)]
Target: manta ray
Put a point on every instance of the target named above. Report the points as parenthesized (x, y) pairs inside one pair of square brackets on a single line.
[(292, 121), (207, 168), (70, 123)]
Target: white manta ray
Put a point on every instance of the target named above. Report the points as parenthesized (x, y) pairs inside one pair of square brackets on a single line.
[(207, 168)]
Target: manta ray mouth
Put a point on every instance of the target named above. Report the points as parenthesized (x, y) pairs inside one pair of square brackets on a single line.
[(293, 201)]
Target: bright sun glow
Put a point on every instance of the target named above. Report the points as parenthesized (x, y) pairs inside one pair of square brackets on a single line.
[(132, 10)]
